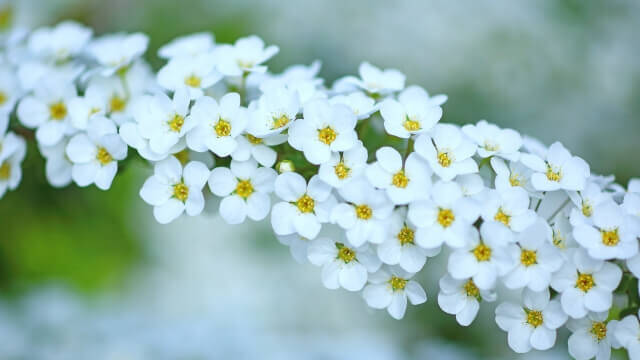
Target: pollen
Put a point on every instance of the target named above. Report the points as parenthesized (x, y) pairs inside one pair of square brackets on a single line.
[(364, 212), (411, 125), (345, 254), (3, 97), (397, 284), (502, 217), (192, 81), (280, 122), (176, 122), (534, 318), (558, 240), (471, 289), (528, 257), (103, 156), (117, 104), (305, 204), (587, 209), (599, 330), (553, 175), (610, 237), (406, 235), (254, 140), (514, 180), (400, 180), (444, 160), (342, 171), (180, 191), (5, 170), (58, 110), (222, 128), (244, 189), (445, 217), (482, 252), (327, 135), (491, 146), (585, 282)]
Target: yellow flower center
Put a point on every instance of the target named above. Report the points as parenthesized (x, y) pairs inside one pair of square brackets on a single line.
[(244, 189), (182, 156), (443, 159), (254, 140), (345, 254), (181, 191), (400, 180), (305, 204), (341, 170), (490, 146), (6, 16), (364, 212), (176, 122), (192, 81), (514, 180), (411, 125), (558, 240), (585, 282), (406, 235), (103, 156), (117, 104), (502, 217), (3, 97), (222, 128), (553, 175), (528, 257), (534, 318), (471, 289), (445, 217), (610, 237), (280, 122), (397, 284), (5, 170), (327, 135), (482, 252), (599, 330), (58, 110)]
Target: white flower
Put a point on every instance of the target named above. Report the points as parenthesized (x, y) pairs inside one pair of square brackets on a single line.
[(535, 257), (103, 96), (59, 43), (116, 52), (58, 166), (484, 257), (363, 213), (390, 288), (324, 129), (446, 217), (404, 181), (47, 111), (196, 73), (585, 201), (190, 46), (249, 146), (531, 325), (298, 246), (471, 185), (304, 207), (273, 112), (448, 151), (558, 170), (342, 168), (245, 189), (246, 55), (342, 265), (627, 333), (172, 190), (10, 90), (613, 234), (300, 79), (413, 113), (95, 154), (217, 124), (591, 337), (399, 247), (494, 141), (377, 82), (514, 175), (586, 284), (461, 297), (12, 151), (509, 208), (563, 235), (360, 104)]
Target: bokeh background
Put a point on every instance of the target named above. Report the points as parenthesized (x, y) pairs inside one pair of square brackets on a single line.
[(88, 274)]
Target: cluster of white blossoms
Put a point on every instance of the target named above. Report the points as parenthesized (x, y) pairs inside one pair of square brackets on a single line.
[(518, 221)]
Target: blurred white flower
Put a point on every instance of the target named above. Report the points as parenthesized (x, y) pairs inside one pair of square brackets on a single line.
[(390, 288)]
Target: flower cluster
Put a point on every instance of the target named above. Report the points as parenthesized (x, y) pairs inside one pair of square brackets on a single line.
[(511, 214)]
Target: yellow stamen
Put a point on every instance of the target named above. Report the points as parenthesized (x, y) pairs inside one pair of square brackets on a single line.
[(341, 170), (58, 110), (528, 257), (587, 209), (117, 104), (192, 81), (222, 128), (5, 170), (397, 284), (345, 254), (445, 217), (181, 191), (599, 330), (400, 180), (471, 289), (482, 252), (254, 140), (610, 237), (534, 318), (502, 217), (3, 97), (364, 212), (553, 175), (103, 156), (280, 122), (244, 189), (443, 159), (585, 282), (411, 125), (176, 122), (406, 235), (327, 135), (305, 204)]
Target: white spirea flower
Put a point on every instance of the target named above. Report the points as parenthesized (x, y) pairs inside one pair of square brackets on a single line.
[(627, 333), (300, 79), (448, 151), (377, 82), (513, 175), (585, 201), (59, 43), (117, 51), (304, 207), (613, 234), (404, 181), (104, 96), (360, 104), (446, 217), (95, 154), (533, 324), (509, 208), (249, 146), (197, 73), (245, 189), (563, 235), (245, 56), (586, 284), (484, 257), (363, 213), (189, 45), (494, 141), (172, 190), (535, 257), (10, 90), (217, 125), (389, 288), (461, 297), (13, 149), (47, 110), (342, 168), (413, 113), (591, 337), (323, 130), (273, 112), (558, 170), (58, 166), (342, 265)]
